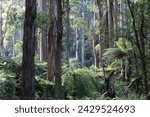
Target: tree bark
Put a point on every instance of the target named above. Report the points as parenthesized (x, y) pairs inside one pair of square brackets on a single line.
[(82, 38), (76, 45), (96, 40), (55, 45), (52, 41), (2, 54), (28, 70), (110, 23), (68, 31), (58, 50), (43, 36), (116, 20), (123, 20), (1, 29)]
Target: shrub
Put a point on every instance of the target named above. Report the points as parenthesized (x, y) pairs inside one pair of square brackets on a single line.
[(44, 89), (8, 86), (81, 82)]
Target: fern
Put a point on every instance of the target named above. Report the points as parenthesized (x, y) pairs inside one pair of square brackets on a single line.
[(81, 82)]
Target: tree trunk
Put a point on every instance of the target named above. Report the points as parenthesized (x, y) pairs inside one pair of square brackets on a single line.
[(28, 70), (58, 50), (106, 43), (76, 46), (55, 45), (110, 23), (43, 36), (1, 30), (95, 41), (1, 33), (100, 11), (123, 20), (116, 20), (123, 26), (68, 31), (82, 45), (52, 41)]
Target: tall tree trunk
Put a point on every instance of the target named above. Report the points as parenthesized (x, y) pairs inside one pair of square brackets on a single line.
[(106, 43), (58, 50), (82, 46), (52, 41), (28, 70), (68, 31), (110, 23), (95, 40), (55, 45), (43, 35), (1, 33), (123, 20), (82, 38), (76, 45), (143, 54), (116, 20), (100, 11), (122, 34), (1, 29)]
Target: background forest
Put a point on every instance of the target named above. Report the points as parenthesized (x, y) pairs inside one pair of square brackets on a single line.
[(74, 49)]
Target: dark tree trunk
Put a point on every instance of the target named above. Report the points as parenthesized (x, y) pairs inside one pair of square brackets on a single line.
[(68, 32), (55, 45), (58, 50), (110, 23), (116, 20), (28, 70), (51, 41)]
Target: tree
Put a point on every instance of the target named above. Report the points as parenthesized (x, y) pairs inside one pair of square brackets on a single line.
[(110, 23), (67, 30), (76, 45), (116, 20), (82, 36), (43, 35), (96, 37), (1, 32), (52, 41), (28, 70), (55, 45), (1, 29), (100, 12), (140, 41), (123, 17)]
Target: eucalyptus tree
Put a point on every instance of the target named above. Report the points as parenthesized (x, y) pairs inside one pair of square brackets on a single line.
[(43, 35), (55, 44), (28, 67)]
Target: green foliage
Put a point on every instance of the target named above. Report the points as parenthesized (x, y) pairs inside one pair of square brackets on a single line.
[(81, 82), (97, 48), (40, 68), (124, 45), (42, 20), (9, 66), (18, 47), (44, 89), (8, 86), (123, 50)]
